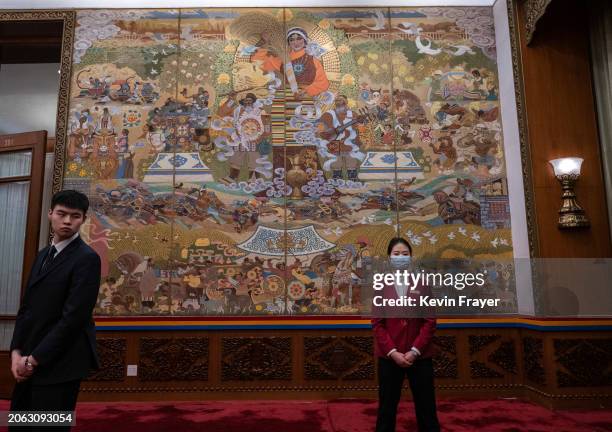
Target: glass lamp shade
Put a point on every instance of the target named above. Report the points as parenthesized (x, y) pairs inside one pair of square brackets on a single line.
[(564, 166)]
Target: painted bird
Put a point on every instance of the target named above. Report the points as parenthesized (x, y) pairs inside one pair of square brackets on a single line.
[(426, 49), (379, 21), (461, 50)]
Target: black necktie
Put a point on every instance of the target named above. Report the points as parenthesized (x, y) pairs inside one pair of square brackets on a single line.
[(48, 258)]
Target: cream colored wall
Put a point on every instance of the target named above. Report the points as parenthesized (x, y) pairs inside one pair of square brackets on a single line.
[(28, 97)]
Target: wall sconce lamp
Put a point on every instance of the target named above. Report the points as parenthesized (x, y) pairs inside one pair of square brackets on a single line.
[(567, 171)]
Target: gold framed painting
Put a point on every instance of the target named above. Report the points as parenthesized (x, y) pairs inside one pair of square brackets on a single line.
[(254, 161)]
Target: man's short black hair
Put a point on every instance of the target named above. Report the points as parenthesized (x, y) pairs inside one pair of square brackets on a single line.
[(71, 199), (397, 240)]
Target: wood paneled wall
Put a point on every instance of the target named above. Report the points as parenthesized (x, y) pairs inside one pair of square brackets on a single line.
[(562, 121), (553, 368)]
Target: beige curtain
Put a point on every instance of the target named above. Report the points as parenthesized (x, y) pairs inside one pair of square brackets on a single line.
[(601, 53), (13, 212), (13, 215)]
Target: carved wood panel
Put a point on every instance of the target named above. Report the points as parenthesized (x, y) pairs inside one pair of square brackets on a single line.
[(492, 356), (445, 360), (335, 358), (111, 352), (258, 358), (583, 362), (533, 357), (180, 359)]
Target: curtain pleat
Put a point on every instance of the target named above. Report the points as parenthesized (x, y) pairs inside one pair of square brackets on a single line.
[(601, 55), (13, 216)]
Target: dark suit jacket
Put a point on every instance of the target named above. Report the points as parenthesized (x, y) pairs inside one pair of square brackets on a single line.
[(405, 333), (54, 323)]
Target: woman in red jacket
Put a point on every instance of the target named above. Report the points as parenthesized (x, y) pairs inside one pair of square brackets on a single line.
[(404, 348)]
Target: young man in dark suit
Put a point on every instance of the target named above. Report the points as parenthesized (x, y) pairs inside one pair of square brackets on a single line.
[(54, 342)]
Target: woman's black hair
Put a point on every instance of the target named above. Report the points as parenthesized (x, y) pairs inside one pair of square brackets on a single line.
[(397, 240)]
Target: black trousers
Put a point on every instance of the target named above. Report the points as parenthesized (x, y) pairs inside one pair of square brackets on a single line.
[(421, 379), (52, 397)]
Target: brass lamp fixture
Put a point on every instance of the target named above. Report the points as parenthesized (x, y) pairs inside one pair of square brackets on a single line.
[(567, 171)]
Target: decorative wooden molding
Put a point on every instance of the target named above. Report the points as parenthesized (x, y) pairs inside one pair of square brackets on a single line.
[(568, 396), (534, 10), (7, 142), (284, 388), (308, 364), (509, 386), (519, 92), (61, 127)]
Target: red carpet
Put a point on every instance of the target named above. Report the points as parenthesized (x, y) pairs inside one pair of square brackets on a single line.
[(345, 415)]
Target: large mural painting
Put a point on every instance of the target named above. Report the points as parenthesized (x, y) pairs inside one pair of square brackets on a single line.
[(253, 161)]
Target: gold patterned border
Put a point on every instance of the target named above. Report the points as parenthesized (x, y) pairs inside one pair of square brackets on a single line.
[(534, 10), (282, 388), (360, 388), (68, 19), (519, 91)]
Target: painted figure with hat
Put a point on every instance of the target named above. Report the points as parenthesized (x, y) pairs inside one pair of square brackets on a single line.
[(247, 144), (304, 71)]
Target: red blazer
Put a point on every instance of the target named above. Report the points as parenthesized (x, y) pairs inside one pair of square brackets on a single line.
[(403, 333)]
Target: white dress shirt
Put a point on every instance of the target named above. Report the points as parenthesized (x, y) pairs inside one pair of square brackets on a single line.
[(60, 246)]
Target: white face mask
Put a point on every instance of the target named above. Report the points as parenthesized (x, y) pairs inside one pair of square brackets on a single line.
[(400, 261)]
